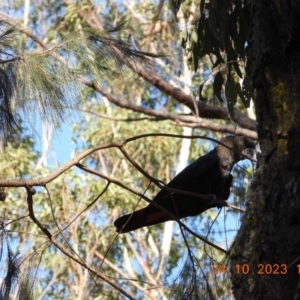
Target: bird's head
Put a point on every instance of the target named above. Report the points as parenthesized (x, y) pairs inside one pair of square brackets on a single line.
[(239, 146)]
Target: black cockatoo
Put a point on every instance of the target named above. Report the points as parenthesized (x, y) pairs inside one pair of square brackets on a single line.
[(208, 175)]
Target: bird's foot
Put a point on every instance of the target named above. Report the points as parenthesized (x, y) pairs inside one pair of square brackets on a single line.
[(217, 203), (222, 203)]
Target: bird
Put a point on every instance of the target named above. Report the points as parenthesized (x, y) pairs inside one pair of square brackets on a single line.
[(209, 175)]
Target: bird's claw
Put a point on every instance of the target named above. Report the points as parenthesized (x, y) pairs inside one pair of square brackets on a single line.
[(222, 203), (217, 203)]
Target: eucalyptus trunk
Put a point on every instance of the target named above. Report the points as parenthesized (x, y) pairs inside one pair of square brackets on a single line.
[(267, 246)]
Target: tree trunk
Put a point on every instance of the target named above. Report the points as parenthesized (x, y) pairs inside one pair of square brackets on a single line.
[(267, 246)]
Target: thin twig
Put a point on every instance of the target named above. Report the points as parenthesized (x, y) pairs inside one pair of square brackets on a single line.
[(15, 220), (74, 161), (61, 248), (134, 282), (180, 119), (153, 203), (205, 111), (235, 207)]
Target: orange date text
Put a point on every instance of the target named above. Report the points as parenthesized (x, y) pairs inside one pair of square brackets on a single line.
[(262, 269), (216, 268)]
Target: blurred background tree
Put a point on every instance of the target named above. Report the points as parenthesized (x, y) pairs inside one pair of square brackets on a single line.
[(64, 62)]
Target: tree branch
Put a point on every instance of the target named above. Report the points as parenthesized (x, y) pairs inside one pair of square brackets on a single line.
[(204, 110), (134, 282), (43, 181), (201, 109), (156, 204), (183, 120), (30, 193)]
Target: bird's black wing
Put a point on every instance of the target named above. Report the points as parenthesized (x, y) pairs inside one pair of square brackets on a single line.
[(195, 170), (208, 175), (204, 177), (191, 177), (194, 178)]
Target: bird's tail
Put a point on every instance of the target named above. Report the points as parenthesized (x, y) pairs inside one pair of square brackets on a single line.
[(139, 219)]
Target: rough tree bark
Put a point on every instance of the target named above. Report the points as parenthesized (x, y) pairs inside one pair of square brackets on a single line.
[(270, 231)]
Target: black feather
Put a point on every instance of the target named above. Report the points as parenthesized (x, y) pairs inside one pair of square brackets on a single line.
[(208, 175)]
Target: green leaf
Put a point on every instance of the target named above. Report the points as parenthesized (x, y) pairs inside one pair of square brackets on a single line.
[(248, 67), (201, 31), (241, 94), (184, 34), (233, 29), (194, 37), (201, 53), (237, 69), (247, 91), (217, 48), (208, 38), (184, 37), (200, 92), (232, 58), (231, 95), (219, 61), (195, 58), (213, 24), (202, 3), (174, 6), (223, 25), (217, 85)]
